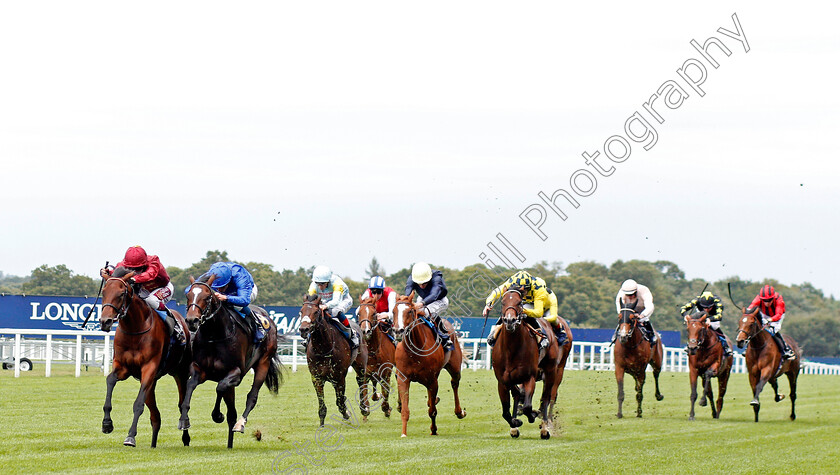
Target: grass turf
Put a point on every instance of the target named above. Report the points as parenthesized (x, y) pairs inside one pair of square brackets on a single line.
[(53, 424)]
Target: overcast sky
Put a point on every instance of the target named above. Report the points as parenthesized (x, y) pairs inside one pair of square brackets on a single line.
[(311, 133)]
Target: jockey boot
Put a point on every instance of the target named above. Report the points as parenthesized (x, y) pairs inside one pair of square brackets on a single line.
[(259, 331), (787, 352), (651, 333), (727, 351), (542, 339), (494, 329), (354, 340), (445, 341), (560, 333)]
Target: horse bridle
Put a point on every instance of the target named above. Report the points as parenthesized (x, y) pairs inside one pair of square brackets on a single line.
[(372, 326), (122, 311), (204, 313), (517, 307), (756, 323)]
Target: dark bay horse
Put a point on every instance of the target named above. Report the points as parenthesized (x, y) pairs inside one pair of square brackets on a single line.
[(764, 359), (420, 358), (142, 349), (224, 351), (516, 361), (633, 353), (381, 350), (328, 357), (706, 358)]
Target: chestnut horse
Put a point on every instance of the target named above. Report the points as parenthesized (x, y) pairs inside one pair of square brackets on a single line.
[(328, 357), (381, 349), (632, 354), (706, 358), (143, 349), (224, 351), (420, 358), (516, 361), (764, 359)]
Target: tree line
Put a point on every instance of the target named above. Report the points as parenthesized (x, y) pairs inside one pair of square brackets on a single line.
[(585, 292)]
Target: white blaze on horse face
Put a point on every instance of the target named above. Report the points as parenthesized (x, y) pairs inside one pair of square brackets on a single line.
[(196, 291), (744, 320), (401, 308), (306, 319)]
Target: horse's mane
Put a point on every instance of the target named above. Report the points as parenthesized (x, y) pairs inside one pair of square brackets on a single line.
[(120, 272), (310, 298)]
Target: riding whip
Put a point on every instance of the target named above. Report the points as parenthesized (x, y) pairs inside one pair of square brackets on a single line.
[(98, 294), (729, 288)]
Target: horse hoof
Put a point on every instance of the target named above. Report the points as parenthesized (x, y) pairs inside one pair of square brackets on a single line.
[(780, 397), (462, 415), (639, 415), (755, 402), (107, 427), (183, 425), (620, 416), (703, 403), (545, 435), (403, 435), (793, 417), (691, 418), (240, 425), (516, 423), (375, 396), (659, 397), (218, 417), (514, 433), (130, 442)]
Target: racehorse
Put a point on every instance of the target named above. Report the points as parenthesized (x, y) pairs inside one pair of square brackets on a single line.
[(143, 349), (632, 354), (516, 361), (764, 359), (420, 358), (706, 358), (328, 357), (224, 351), (381, 349)]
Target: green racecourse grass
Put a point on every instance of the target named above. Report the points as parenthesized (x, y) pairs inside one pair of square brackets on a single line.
[(53, 424)]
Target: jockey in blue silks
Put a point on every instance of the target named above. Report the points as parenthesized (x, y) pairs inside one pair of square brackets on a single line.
[(234, 286)]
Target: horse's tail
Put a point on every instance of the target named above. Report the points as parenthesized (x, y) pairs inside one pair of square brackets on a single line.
[(275, 371)]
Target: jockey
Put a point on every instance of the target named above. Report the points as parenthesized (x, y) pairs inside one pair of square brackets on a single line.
[(335, 300), (235, 286), (149, 273), (431, 293), (632, 293), (539, 301), (385, 298), (712, 305), (772, 307)]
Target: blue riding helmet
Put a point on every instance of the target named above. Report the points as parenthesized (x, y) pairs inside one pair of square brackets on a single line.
[(222, 273), (377, 282)]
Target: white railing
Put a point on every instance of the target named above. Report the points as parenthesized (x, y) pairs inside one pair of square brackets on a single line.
[(99, 353)]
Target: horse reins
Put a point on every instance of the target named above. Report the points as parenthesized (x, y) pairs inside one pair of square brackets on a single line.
[(372, 326), (204, 313)]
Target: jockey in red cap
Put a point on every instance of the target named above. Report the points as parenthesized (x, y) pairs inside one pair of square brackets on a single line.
[(771, 305), (155, 287)]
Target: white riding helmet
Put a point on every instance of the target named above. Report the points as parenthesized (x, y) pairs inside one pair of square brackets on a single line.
[(421, 273), (629, 287), (321, 274)]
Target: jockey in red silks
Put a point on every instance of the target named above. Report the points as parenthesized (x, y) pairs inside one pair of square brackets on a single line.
[(386, 299), (155, 287), (771, 305)]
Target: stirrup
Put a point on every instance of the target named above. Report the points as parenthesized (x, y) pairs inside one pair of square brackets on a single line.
[(446, 343), (491, 341), (544, 343)]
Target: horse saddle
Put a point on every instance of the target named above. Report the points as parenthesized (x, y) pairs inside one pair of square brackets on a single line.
[(176, 333)]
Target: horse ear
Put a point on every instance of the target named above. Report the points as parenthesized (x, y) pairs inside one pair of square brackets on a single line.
[(192, 280), (128, 276), (211, 279), (411, 296)]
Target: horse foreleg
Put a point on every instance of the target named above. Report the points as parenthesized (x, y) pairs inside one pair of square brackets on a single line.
[(230, 403), (775, 385), (154, 414), (340, 398), (181, 380), (385, 384), (196, 377), (403, 385), (118, 374), (362, 381), (640, 384), (147, 383), (619, 379), (455, 372), (260, 373), (319, 391), (504, 397), (233, 378), (723, 380), (707, 392), (792, 380), (527, 404), (432, 391), (692, 381), (549, 392), (657, 368)]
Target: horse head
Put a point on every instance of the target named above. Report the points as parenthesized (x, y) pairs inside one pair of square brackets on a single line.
[(117, 294), (695, 325), (749, 326), (202, 303), (512, 309), (404, 314), (366, 315), (627, 321), (310, 314)]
